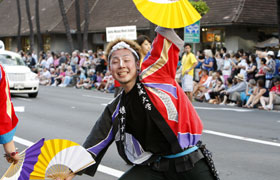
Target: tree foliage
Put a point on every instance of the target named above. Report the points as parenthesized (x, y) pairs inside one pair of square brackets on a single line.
[(201, 6)]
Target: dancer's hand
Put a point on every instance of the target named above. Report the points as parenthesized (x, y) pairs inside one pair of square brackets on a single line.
[(12, 158)]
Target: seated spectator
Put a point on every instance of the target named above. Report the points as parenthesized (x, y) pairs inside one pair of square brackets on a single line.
[(208, 88), (53, 75), (45, 77), (235, 91), (220, 75), (215, 93), (99, 77), (59, 79), (110, 82), (257, 94), (81, 80), (251, 87), (274, 96), (202, 84), (68, 77), (223, 95)]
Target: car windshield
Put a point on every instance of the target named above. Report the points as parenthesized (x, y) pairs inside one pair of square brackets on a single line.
[(11, 61)]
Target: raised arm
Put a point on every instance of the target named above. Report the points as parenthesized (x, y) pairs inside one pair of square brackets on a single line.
[(161, 61)]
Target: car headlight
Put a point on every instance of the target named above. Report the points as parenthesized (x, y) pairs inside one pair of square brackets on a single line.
[(32, 76)]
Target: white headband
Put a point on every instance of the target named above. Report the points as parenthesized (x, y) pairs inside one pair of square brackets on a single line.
[(122, 45)]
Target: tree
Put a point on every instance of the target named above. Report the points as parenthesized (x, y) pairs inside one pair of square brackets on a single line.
[(85, 34), (31, 36), (39, 35), (19, 26), (201, 6), (66, 24), (78, 24)]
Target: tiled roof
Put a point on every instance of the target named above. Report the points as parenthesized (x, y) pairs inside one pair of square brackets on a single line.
[(49, 16), (241, 12), (108, 13)]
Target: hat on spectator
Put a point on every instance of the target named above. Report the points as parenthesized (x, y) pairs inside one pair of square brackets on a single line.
[(240, 77), (270, 53)]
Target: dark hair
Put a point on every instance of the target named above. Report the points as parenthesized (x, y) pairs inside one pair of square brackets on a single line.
[(219, 71), (205, 70), (260, 82), (187, 44), (227, 55), (201, 57), (237, 56), (247, 53), (224, 49), (142, 38), (276, 78), (253, 57), (229, 80), (240, 52), (263, 60), (219, 79)]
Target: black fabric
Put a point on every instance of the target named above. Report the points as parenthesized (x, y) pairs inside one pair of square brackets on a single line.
[(182, 164), (199, 172), (142, 127)]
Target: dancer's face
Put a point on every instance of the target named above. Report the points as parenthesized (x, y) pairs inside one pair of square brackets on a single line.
[(123, 68)]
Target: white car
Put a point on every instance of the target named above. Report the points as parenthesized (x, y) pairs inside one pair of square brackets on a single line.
[(21, 79)]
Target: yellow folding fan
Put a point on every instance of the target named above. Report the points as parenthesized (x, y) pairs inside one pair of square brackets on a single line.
[(55, 158), (168, 13)]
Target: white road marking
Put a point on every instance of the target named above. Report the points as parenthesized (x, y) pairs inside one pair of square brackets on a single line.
[(241, 138), (224, 109), (19, 108), (23, 141), (117, 173), (110, 171), (97, 97)]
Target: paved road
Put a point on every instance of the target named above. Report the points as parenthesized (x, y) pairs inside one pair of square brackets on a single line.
[(245, 143)]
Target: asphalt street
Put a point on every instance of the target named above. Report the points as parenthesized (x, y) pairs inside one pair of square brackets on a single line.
[(245, 143)]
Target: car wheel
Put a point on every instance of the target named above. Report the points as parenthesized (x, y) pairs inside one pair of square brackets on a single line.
[(33, 95)]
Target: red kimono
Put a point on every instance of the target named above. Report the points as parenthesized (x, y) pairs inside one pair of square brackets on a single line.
[(8, 119)]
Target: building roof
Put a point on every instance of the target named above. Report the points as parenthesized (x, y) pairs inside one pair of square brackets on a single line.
[(108, 13), (241, 12), (49, 16)]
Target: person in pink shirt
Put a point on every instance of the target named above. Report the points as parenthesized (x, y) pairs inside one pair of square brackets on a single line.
[(274, 96)]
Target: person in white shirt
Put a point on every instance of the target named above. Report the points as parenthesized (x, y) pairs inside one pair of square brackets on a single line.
[(226, 68), (45, 77), (49, 59)]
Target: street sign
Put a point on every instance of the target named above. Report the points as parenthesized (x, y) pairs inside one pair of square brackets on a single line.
[(127, 32), (192, 33)]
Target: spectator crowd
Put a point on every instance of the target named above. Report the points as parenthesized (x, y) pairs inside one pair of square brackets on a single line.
[(244, 79)]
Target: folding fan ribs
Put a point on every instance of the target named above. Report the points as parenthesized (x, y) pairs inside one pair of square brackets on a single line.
[(168, 13), (56, 158), (24, 167)]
